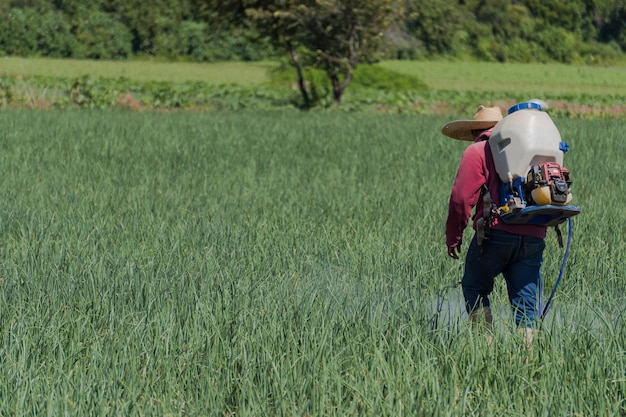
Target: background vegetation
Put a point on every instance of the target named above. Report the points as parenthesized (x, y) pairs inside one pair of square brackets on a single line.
[(570, 31), (281, 263), (322, 43), (414, 87)]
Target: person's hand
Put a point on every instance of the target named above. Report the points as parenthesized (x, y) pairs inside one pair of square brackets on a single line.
[(454, 250)]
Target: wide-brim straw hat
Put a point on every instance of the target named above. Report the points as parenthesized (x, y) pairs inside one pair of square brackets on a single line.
[(485, 118)]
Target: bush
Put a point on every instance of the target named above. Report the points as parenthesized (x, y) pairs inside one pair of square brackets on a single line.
[(239, 45), (519, 50), (366, 79), (185, 40), (195, 40), (379, 78), (17, 36), (559, 44), (100, 36), (595, 53), (54, 35), (6, 93), (29, 32), (372, 77)]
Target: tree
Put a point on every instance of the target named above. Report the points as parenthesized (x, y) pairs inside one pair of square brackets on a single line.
[(435, 23), (148, 20), (614, 26), (331, 35)]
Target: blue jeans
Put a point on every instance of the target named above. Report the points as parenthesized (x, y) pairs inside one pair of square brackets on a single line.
[(519, 259)]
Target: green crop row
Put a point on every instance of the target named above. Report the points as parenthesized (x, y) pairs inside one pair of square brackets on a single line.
[(258, 263), (380, 93)]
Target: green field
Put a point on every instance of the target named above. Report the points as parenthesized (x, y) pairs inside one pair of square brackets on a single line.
[(217, 73), (534, 78), (548, 79), (281, 263)]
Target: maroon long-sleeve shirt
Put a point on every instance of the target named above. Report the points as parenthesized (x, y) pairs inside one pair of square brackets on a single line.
[(477, 168)]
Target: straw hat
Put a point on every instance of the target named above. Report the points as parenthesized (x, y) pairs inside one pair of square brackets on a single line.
[(485, 118)]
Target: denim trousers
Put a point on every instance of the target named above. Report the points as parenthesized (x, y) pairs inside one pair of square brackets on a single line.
[(518, 259)]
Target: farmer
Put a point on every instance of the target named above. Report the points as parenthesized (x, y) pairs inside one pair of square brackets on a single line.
[(516, 251)]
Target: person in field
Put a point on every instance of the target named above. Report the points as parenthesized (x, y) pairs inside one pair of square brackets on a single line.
[(515, 251)]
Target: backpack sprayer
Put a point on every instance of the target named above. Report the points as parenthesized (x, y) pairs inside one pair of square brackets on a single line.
[(534, 185)]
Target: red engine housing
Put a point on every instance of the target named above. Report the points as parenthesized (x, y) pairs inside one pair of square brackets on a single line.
[(549, 174)]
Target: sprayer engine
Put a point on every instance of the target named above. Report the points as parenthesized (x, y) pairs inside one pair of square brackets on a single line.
[(548, 183)]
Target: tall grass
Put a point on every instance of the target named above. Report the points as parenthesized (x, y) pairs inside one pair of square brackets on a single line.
[(280, 263)]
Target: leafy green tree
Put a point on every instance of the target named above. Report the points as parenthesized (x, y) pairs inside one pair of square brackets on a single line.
[(566, 14), (100, 36), (614, 25), (16, 38), (147, 20), (28, 32), (331, 35), (434, 23)]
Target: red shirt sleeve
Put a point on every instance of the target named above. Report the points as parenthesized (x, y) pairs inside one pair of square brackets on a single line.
[(471, 176)]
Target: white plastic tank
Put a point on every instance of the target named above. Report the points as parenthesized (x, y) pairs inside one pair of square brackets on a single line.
[(526, 136)]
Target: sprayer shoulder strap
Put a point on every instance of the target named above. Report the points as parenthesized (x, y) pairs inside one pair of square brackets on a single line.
[(482, 224), (559, 235)]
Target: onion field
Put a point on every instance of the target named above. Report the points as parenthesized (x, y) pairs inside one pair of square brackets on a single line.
[(281, 263)]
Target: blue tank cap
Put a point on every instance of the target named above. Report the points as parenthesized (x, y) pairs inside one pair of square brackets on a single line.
[(522, 106), (564, 146)]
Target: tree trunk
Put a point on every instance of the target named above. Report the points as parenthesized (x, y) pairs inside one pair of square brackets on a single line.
[(340, 87), (301, 85), (337, 90)]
